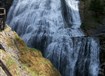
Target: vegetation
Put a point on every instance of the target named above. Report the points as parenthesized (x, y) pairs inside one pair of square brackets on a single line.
[(94, 16), (98, 7)]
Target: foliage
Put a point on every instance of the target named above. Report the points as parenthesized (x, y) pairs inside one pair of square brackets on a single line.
[(98, 7)]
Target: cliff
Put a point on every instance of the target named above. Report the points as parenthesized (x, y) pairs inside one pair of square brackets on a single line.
[(16, 59), (93, 16)]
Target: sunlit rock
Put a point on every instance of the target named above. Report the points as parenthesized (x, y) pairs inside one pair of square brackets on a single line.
[(19, 60)]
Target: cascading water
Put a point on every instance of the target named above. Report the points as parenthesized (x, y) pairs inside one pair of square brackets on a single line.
[(53, 26)]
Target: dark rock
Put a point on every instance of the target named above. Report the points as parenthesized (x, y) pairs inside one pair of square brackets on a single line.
[(102, 55), (93, 16)]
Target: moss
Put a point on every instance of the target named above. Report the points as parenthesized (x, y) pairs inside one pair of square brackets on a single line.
[(10, 62), (24, 50), (19, 54), (20, 41), (32, 49), (32, 73), (32, 59)]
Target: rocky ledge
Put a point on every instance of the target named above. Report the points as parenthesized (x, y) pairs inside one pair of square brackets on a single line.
[(16, 59)]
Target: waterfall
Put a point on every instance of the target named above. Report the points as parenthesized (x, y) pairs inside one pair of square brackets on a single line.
[(53, 26), (73, 13)]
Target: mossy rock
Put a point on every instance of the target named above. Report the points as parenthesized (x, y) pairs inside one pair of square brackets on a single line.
[(22, 60)]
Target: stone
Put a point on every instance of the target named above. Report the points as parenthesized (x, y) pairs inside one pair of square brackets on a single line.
[(21, 60)]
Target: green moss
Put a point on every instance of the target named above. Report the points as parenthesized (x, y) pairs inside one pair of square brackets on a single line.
[(10, 62), (19, 40), (32, 73), (32, 49), (20, 44), (29, 61)]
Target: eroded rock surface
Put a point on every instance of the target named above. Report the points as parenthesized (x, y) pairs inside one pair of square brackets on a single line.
[(20, 60)]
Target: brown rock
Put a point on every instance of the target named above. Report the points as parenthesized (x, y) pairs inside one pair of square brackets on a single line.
[(20, 60)]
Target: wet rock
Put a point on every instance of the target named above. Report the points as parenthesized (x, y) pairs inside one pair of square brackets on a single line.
[(102, 55), (93, 16)]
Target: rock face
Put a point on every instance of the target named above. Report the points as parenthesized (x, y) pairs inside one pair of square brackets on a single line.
[(16, 59), (102, 55), (93, 15)]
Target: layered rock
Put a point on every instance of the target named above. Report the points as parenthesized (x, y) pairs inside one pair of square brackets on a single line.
[(16, 59)]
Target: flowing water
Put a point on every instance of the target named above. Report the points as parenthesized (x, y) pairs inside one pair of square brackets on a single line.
[(53, 26)]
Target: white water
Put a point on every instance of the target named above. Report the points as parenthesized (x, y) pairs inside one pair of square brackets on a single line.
[(53, 26), (74, 13)]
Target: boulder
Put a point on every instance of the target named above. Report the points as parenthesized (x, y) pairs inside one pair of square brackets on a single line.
[(16, 59)]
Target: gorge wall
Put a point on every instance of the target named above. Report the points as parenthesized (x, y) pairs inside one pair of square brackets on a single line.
[(93, 16)]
